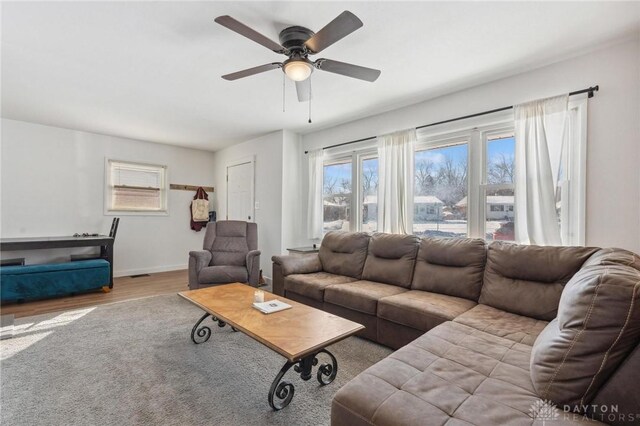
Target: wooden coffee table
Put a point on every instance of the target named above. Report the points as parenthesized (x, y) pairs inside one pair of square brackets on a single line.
[(299, 334)]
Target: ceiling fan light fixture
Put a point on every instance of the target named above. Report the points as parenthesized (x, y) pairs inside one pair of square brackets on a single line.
[(297, 70)]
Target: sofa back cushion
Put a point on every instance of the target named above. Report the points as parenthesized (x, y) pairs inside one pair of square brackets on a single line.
[(614, 256), (391, 259), (528, 280), (344, 253), (229, 241), (597, 327), (452, 266)]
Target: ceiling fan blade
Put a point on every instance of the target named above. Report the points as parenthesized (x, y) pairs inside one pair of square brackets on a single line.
[(342, 26), (303, 88), (250, 33), (350, 70), (252, 71)]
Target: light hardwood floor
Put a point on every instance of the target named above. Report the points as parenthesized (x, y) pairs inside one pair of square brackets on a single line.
[(124, 288)]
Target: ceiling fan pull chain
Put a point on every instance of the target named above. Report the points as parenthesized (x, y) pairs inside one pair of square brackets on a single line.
[(309, 99), (283, 90)]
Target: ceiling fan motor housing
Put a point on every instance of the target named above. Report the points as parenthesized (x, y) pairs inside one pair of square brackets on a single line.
[(293, 38)]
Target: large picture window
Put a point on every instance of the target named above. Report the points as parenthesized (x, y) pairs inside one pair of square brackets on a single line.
[(135, 187), (464, 182)]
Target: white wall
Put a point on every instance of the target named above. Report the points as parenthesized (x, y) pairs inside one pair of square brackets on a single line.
[(613, 158), (53, 183), (267, 154), (292, 193), (277, 190)]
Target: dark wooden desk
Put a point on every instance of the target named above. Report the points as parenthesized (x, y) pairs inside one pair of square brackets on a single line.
[(39, 243)]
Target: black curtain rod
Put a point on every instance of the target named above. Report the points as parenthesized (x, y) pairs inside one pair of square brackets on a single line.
[(589, 90)]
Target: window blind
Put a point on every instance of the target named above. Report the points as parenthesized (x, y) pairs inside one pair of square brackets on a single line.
[(137, 187)]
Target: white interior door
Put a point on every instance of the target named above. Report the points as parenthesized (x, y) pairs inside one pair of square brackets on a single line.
[(240, 192)]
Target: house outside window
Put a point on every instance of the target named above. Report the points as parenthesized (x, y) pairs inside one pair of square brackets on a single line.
[(135, 188)]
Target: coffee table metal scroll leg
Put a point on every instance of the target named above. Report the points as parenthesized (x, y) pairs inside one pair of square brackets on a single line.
[(281, 393), (202, 334), (327, 372)]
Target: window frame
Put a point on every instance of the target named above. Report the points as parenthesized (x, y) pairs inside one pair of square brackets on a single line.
[(108, 190), (486, 135), (438, 140), (359, 158), (340, 158)]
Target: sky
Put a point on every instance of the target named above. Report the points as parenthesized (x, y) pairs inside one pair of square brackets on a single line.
[(458, 153)]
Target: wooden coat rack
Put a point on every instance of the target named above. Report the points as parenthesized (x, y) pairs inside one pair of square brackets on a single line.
[(192, 188)]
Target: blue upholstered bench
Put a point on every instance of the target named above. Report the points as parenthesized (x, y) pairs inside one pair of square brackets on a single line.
[(56, 279)]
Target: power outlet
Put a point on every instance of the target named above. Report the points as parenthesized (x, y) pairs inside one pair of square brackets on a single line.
[(257, 205)]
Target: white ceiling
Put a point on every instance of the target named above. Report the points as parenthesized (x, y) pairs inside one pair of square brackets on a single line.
[(151, 70)]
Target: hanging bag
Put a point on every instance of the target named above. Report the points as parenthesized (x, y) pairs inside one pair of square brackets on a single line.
[(200, 207)]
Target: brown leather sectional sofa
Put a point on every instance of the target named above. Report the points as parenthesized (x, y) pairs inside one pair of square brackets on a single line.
[(486, 333)]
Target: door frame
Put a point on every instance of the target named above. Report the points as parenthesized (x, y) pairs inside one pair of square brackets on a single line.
[(243, 160)]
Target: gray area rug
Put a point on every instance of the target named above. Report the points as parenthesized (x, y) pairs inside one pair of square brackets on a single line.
[(133, 363)]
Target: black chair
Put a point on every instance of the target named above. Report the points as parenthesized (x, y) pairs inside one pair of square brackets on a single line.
[(112, 233)]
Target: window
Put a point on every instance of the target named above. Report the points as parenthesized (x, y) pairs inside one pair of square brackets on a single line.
[(440, 193), (464, 181), (135, 187), (336, 195), (369, 187), (499, 188)]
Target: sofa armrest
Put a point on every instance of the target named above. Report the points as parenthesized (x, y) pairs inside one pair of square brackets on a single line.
[(298, 264), (253, 267), (197, 260)]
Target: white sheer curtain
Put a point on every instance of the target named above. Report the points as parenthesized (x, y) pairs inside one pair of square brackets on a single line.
[(540, 132), (314, 203), (395, 177)]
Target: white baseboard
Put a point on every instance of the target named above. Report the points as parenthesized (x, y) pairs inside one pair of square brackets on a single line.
[(129, 272)]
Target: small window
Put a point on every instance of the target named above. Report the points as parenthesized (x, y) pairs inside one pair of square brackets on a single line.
[(136, 187)]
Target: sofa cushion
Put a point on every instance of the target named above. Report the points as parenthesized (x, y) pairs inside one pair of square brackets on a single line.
[(503, 324), (229, 241), (313, 285), (344, 253), (614, 256), (453, 375), (223, 274), (598, 325), (422, 310), (528, 280), (361, 295), (452, 266), (298, 264), (391, 259)]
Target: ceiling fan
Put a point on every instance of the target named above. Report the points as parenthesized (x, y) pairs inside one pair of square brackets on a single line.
[(298, 43)]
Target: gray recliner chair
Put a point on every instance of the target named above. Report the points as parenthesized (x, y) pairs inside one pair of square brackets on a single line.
[(230, 254)]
